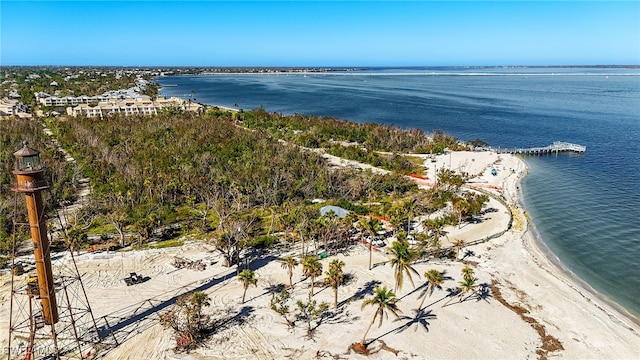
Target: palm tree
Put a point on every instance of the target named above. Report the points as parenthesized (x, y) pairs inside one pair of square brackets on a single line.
[(460, 205), (287, 223), (395, 221), (289, 262), (459, 244), (334, 277), (435, 226), (467, 272), (409, 205), (468, 284), (193, 92), (311, 267), (371, 226), (385, 301), (328, 229), (198, 300), (402, 255), (303, 229), (336, 264), (247, 277), (435, 280)]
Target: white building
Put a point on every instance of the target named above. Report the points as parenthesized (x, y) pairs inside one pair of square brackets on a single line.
[(49, 100), (10, 107), (131, 107)]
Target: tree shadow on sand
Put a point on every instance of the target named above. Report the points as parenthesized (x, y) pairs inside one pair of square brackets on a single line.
[(419, 320), (121, 325), (366, 289), (482, 293), (271, 290), (224, 323), (468, 253), (424, 287), (340, 316)]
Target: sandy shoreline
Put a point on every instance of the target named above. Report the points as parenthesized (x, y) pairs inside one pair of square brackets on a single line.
[(538, 296), (537, 245), (573, 280)]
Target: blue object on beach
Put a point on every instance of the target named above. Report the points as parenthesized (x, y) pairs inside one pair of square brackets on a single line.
[(340, 212)]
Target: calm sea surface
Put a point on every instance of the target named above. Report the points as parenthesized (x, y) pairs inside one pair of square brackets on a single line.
[(585, 208)]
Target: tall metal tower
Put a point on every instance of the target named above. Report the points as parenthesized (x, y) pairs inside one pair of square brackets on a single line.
[(50, 316)]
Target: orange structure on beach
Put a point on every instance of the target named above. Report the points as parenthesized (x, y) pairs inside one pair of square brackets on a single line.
[(48, 309)]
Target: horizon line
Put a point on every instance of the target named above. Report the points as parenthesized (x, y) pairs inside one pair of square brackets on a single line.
[(332, 66)]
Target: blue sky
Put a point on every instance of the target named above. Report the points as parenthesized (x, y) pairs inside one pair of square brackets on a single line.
[(308, 33)]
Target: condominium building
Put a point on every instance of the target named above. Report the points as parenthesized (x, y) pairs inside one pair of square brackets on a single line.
[(51, 100), (10, 107), (131, 107)]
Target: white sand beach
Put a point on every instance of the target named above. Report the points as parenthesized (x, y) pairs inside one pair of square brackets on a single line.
[(540, 312)]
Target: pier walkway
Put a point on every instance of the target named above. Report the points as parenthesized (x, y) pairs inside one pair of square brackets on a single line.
[(556, 147)]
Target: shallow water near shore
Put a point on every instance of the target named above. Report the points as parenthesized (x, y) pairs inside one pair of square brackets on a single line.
[(585, 208)]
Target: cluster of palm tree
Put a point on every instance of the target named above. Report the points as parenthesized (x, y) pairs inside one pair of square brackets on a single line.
[(402, 257), (312, 268), (308, 310), (468, 204), (306, 224), (384, 300)]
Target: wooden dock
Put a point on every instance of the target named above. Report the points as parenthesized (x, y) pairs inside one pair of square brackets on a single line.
[(555, 148)]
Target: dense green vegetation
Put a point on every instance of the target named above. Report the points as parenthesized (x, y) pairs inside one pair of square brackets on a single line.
[(155, 178), (206, 173), (12, 133), (161, 176), (325, 132)]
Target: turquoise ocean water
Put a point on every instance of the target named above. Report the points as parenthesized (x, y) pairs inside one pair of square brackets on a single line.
[(585, 208)]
